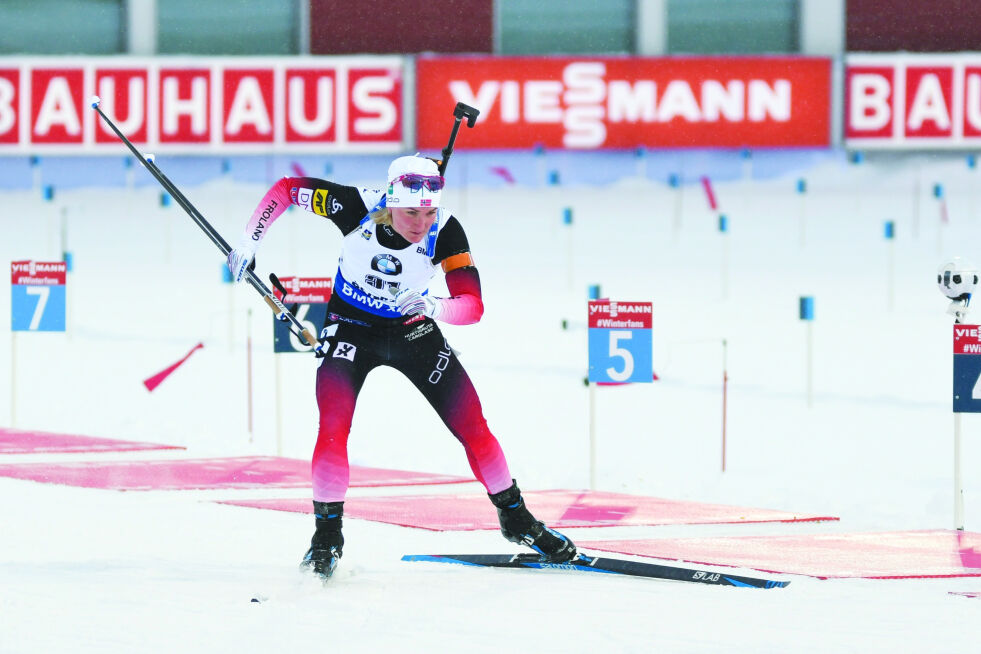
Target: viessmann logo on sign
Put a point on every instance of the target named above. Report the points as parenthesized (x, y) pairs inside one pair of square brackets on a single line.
[(913, 101), (630, 102), (198, 104)]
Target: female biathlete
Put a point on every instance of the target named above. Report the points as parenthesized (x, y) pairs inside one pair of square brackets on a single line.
[(380, 314)]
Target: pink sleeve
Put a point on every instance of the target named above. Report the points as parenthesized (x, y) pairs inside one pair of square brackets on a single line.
[(465, 307), (273, 204)]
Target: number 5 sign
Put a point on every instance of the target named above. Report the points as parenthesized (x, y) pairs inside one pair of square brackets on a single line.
[(620, 342), (37, 296)]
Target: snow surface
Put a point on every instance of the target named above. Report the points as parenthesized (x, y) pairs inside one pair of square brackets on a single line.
[(102, 571)]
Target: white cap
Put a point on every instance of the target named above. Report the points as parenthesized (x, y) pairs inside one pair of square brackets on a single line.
[(400, 196)]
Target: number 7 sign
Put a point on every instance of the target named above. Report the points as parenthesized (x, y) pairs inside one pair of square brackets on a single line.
[(37, 296), (620, 342)]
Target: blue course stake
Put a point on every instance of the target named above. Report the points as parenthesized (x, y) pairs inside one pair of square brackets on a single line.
[(674, 181), (48, 193), (567, 216), (856, 157), (972, 161), (164, 199), (938, 191), (594, 291), (226, 274), (723, 223), (553, 178), (806, 307), (802, 186), (890, 230)]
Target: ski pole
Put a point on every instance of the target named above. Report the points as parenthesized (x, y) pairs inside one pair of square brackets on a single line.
[(278, 308), (460, 112)]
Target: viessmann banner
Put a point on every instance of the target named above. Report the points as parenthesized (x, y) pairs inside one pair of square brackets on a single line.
[(909, 101), (620, 102), (202, 104)]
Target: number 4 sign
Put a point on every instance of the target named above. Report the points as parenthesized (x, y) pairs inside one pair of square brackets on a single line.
[(967, 369), (620, 342), (37, 296)]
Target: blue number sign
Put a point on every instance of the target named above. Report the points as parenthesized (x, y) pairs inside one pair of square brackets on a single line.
[(37, 296), (311, 296), (620, 342)]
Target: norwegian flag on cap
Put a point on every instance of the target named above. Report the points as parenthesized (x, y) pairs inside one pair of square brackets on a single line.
[(425, 203)]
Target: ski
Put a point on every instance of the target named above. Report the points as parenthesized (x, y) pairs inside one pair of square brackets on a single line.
[(602, 565)]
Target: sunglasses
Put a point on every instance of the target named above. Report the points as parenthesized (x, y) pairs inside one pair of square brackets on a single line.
[(415, 182)]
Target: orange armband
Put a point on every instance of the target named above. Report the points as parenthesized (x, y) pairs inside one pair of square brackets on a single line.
[(461, 260)]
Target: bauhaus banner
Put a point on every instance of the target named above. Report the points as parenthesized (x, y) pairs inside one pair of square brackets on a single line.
[(910, 101), (351, 104), (625, 102)]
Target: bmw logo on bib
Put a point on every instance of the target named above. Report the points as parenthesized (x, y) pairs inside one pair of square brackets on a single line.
[(386, 264)]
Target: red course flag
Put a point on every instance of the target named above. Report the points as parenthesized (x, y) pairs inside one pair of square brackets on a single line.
[(154, 381), (503, 173), (709, 195)]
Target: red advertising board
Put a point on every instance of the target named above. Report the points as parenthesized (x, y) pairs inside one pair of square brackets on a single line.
[(9, 102), (913, 101), (608, 102), (305, 290), (370, 114), (967, 339), (184, 105), (609, 314), (125, 95), (203, 104), (310, 104), (38, 273), (249, 105), (56, 108)]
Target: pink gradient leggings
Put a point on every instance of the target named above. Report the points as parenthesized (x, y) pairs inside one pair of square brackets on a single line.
[(420, 352)]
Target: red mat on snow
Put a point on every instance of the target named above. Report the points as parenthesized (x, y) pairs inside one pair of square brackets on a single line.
[(557, 508), (196, 474), (890, 555), (17, 441)]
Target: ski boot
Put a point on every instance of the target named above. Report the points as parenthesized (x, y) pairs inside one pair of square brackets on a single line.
[(519, 526), (327, 542)]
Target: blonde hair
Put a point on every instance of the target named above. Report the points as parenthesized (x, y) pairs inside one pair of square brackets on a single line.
[(382, 217)]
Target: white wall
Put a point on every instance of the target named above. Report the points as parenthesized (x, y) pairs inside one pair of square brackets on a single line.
[(822, 27), (141, 27), (652, 27)]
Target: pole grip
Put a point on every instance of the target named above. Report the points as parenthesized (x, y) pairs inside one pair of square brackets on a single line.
[(277, 309), (308, 336), (271, 302)]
